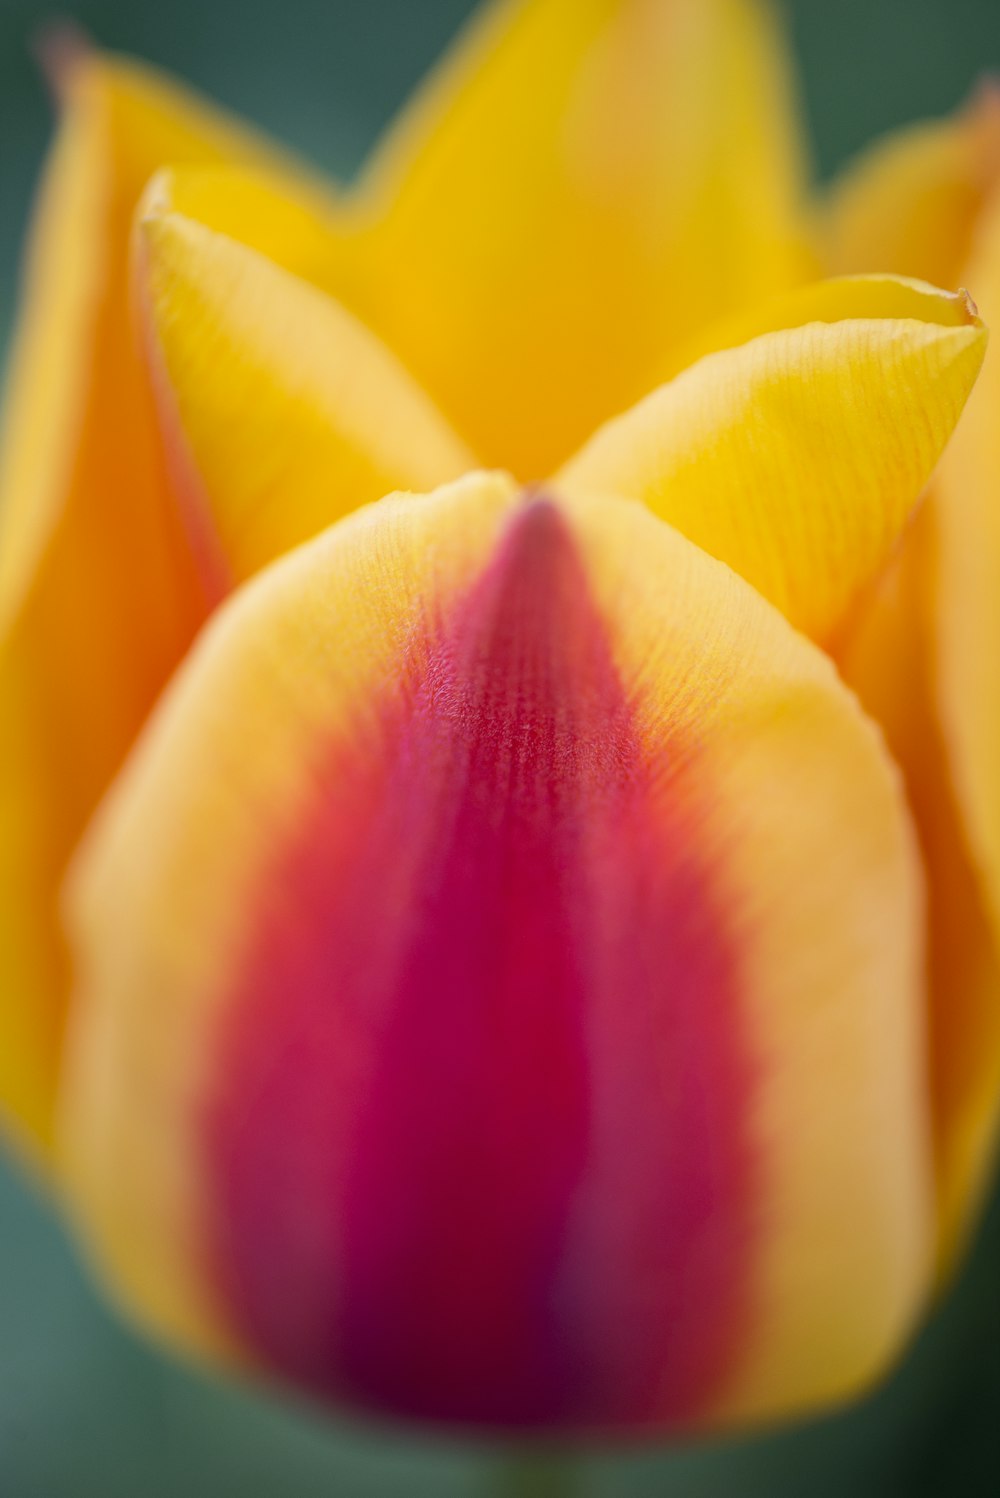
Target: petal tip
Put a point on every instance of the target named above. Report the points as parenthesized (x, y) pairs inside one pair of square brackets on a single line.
[(62, 49), (948, 309), (983, 110), (967, 303), (157, 199), (164, 238)]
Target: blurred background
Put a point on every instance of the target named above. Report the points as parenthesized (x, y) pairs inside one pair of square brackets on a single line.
[(85, 1408)]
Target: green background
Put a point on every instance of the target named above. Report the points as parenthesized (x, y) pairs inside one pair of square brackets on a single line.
[(85, 1408)]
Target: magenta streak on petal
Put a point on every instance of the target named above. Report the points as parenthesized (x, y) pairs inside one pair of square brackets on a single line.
[(476, 1148)]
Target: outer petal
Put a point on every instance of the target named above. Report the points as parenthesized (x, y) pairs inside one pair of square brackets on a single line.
[(581, 184), (467, 1026), (911, 203), (120, 122), (888, 656), (798, 457), (966, 596), (916, 649), (285, 412), (97, 596)]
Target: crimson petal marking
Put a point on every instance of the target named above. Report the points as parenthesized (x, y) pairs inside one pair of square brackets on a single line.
[(477, 1146)]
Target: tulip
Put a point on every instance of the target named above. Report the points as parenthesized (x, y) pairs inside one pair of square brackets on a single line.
[(465, 954)]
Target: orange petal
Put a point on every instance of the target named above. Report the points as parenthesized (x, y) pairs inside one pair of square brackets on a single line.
[(98, 598), (887, 657), (467, 1027), (967, 594), (798, 456)]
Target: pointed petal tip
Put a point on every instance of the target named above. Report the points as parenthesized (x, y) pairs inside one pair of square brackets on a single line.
[(929, 303), (286, 411), (62, 49), (947, 308), (157, 199), (982, 108), (958, 308), (960, 304), (158, 231), (964, 297), (845, 347)]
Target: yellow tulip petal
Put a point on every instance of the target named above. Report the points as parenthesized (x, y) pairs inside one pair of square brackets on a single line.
[(581, 184), (305, 232), (98, 599), (887, 657), (467, 1027), (838, 299), (911, 203), (288, 411), (797, 457)]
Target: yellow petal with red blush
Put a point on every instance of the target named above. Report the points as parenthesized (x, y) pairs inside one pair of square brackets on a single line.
[(581, 184), (283, 413), (911, 203), (466, 1025), (98, 599), (887, 656), (797, 457)]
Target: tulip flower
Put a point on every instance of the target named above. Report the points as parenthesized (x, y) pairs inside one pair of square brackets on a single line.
[(464, 943)]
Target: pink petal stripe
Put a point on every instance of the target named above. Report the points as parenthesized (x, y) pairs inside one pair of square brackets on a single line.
[(477, 1141)]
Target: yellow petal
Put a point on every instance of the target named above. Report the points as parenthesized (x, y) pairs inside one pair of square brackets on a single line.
[(838, 299), (305, 231), (797, 457), (911, 203), (288, 411), (581, 184), (467, 1026), (98, 599)]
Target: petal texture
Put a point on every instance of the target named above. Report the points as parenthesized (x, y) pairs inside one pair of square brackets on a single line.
[(797, 457), (284, 413), (576, 185), (467, 1028)]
